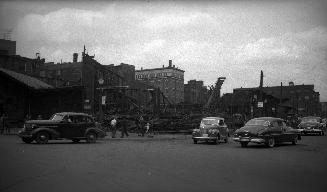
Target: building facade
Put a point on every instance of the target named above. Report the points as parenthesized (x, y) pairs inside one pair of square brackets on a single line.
[(195, 92), (278, 101), (7, 47), (170, 81)]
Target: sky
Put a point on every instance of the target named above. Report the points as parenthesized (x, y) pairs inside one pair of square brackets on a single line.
[(207, 39)]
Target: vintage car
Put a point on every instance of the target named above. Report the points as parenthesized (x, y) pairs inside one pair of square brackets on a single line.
[(311, 125), (65, 125), (211, 129), (266, 130)]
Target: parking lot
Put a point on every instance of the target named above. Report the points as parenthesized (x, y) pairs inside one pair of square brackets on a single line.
[(162, 163)]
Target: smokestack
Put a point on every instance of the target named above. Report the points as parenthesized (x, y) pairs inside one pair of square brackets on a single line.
[(261, 79), (170, 63), (75, 56)]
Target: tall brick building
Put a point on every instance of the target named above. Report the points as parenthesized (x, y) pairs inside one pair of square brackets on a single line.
[(195, 92), (170, 81)]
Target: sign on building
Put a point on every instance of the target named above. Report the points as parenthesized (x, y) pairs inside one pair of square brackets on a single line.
[(103, 100), (260, 104)]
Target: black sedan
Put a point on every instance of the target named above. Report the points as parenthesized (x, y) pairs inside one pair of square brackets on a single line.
[(266, 130)]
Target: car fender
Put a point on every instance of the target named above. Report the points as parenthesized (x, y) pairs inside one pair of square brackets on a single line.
[(99, 132), (53, 133)]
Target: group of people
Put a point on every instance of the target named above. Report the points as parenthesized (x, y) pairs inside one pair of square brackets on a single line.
[(121, 123)]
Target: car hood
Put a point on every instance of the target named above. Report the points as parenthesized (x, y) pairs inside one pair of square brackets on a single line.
[(42, 122), (251, 129)]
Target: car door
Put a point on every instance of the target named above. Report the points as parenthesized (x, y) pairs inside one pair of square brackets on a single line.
[(276, 131), (64, 127), (286, 134)]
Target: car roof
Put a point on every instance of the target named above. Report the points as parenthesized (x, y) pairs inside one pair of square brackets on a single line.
[(220, 118), (73, 113), (268, 118)]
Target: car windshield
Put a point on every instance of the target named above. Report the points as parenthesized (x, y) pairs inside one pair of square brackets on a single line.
[(57, 117), (257, 122), (310, 120), (209, 122)]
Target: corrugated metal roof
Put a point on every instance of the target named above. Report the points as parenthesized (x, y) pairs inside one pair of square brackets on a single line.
[(27, 80)]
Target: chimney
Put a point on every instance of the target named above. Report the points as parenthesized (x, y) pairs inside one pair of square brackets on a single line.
[(261, 80), (75, 56), (170, 63)]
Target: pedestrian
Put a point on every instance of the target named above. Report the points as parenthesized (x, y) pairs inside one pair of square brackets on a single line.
[(113, 124), (5, 126), (149, 130), (124, 127), (140, 126), (2, 127)]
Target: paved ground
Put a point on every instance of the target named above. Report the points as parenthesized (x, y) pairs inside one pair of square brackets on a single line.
[(162, 163)]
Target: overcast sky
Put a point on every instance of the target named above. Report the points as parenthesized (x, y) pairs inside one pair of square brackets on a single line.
[(210, 39)]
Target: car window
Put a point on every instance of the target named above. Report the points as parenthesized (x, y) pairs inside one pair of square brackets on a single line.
[(280, 123), (209, 122), (274, 124)]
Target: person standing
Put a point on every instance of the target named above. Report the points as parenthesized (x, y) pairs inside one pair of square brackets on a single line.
[(124, 127), (141, 126), (2, 126), (113, 124)]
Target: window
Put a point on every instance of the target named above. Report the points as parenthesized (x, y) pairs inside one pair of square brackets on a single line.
[(275, 124)]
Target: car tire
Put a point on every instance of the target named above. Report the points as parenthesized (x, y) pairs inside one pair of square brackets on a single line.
[(27, 140), (195, 141), (271, 142), (244, 144), (294, 142), (42, 137), (75, 140), (91, 137)]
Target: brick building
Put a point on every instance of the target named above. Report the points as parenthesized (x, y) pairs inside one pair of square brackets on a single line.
[(7, 47), (170, 81), (275, 101), (195, 92)]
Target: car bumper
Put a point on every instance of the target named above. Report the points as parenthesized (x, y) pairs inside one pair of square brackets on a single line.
[(249, 139), (310, 130), (23, 134), (205, 138)]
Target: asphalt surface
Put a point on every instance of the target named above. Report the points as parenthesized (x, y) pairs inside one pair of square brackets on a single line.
[(162, 163)]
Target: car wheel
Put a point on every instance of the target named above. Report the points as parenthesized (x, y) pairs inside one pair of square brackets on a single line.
[(75, 140), (27, 140), (294, 142), (322, 133), (195, 141), (244, 144), (42, 137), (91, 137), (271, 142)]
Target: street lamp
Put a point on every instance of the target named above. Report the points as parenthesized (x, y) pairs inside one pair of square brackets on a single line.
[(101, 81)]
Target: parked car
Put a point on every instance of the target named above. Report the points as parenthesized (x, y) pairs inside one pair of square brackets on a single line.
[(266, 130), (311, 125), (65, 125), (211, 129)]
